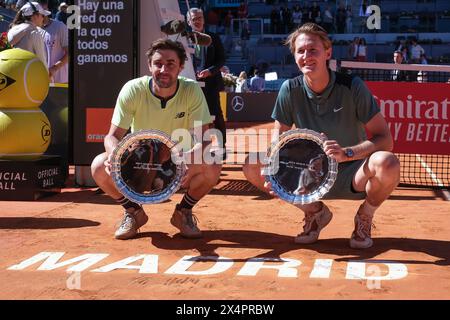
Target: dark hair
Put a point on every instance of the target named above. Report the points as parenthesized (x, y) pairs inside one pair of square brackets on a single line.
[(167, 44), (308, 28), (397, 51), (19, 19)]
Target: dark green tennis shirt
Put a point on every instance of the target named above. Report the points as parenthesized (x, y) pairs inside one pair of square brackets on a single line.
[(340, 111)]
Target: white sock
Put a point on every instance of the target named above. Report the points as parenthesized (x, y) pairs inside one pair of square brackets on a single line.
[(367, 209)]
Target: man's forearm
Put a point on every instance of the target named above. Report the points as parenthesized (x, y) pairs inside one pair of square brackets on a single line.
[(110, 143), (376, 143), (197, 152)]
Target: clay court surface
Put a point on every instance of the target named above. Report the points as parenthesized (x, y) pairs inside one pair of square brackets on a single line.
[(247, 251)]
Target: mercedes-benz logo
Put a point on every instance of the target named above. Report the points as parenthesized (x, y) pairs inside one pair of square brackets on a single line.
[(237, 103)]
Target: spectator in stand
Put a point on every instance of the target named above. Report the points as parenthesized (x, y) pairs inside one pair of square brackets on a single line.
[(274, 20), (56, 37), (416, 51), (25, 30), (362, 51), (423, 59), (224, 70), (257, 82), (241, 83), (314, 13), (328, 20), (61, 15), (399, 75), (227, 22), (245, 37), (297, 16), (349, 19), (53, 6), (243, 10), (281, 25), (405, 54), (212, 21), (353, 49), (400, 45), (286, 16), (363, 16), (305, 16), (207, 62), (242, 13), (11, 4), (228, 42), (341, 18)]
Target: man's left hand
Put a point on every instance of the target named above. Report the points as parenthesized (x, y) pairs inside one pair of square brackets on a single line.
[(334, 150)]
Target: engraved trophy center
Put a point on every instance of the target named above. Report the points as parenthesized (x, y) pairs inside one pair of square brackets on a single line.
[(299, 170)]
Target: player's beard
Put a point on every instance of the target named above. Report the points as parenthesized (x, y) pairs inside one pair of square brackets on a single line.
[(165, 83)]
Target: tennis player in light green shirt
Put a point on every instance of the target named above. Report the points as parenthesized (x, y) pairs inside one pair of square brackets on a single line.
[(139, 108), (166, 102)]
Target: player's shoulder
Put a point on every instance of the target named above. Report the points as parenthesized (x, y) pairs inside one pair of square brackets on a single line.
[(187, 83), (138, 81), (349, 82), (345, 80), (135, 84), (58, 24), (293, 83)]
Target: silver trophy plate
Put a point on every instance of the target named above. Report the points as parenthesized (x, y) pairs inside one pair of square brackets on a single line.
[(147, 167), (298, 168)]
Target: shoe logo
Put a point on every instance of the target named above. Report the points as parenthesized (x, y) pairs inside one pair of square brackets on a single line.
[(180, 115), (237, 103), (338, 109), (5, 81)]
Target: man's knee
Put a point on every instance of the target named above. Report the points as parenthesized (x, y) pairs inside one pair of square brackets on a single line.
[(386, 163), (251, 169), (214, 171), (98, 167), (211, 172)]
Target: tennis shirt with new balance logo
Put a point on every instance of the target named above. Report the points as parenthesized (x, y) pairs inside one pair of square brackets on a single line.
[(137, 107)]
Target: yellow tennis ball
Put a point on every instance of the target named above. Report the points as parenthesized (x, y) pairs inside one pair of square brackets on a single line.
[(24, 80), (24, 133)]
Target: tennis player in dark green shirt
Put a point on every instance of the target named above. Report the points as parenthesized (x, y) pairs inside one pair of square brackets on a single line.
[(343, 109)]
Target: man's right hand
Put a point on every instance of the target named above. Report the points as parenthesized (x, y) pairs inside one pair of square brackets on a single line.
[(267, 185), (108, 164)]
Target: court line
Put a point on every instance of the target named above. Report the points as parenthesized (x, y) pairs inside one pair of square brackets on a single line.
[(433, 176)]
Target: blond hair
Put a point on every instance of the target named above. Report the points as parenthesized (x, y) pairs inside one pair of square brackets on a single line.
[(308, 28)]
